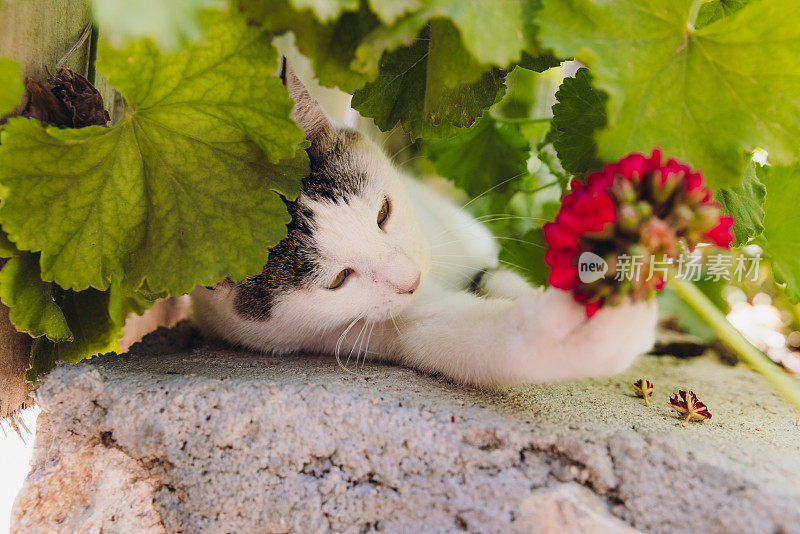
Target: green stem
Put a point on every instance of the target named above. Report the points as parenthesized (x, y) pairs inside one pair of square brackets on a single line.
[(782, 382)]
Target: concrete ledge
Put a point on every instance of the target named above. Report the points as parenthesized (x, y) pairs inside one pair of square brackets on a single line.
[(180, 436)]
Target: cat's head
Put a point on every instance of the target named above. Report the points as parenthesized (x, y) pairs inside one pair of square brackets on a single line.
[(353, 247)]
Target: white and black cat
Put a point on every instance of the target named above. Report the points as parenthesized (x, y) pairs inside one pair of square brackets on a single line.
[(377, 266)]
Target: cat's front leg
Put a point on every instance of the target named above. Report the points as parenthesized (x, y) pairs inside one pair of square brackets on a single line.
[(499, 342), (501, 283)]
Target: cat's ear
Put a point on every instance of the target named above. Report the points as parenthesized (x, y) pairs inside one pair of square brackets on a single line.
[(307, 112)]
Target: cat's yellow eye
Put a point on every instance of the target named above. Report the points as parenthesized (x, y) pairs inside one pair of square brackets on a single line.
[(383, 213), (340, 278)]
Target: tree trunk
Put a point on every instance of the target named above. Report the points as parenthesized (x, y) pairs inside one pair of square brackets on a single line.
[(36, 34)]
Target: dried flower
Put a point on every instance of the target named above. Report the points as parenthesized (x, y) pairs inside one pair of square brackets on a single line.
[(636, 207), (689, 407), (644, 389), (65, 99)]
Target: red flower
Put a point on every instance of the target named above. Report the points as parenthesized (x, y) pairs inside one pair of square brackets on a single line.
[(720, 235), (565, 278), (635, 206), (593, 306), (644, 389), (689, 406), (558, 236)]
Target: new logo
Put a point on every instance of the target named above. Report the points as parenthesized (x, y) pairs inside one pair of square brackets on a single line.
[(591, 267)]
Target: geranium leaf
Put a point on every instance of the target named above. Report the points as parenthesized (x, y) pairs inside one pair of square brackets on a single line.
[(30, 300), (579, 112), (526, 256), (182, 190), (714, 10), (781, 218), (7, 248), (746, 203), (326, 10), (11, 87), (331, 45), (122, 301), (391, 10), (489, 153), (385, 39), (93, 329), (510, 24), (708, 97), (409, 90), (168, 24)]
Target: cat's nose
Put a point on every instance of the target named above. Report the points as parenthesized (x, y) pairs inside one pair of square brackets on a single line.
[(413, 287)]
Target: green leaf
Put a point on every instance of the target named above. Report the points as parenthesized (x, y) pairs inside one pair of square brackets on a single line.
[(579, 112), (493, 32), (93, 329), (11, 87), (326, 9), (781, 219), (412, 88), (526, 256), (717, 9), (330, 45), (180, 192), (222, 89), (512, 39), (7, 248), (539, 63), (490, 153), (385, 39), (708, 97), (122, 301), (30, 300), (746, 203), (391, 10), (168, 24)]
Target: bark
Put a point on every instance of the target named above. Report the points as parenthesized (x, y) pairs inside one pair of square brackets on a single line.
[(36, 34)]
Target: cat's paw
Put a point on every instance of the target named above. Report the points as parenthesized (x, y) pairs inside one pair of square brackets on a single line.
[(618, 334), (567, 344), (551, 314)]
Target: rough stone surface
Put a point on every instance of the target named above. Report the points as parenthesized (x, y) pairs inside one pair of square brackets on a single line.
[(180, 436)]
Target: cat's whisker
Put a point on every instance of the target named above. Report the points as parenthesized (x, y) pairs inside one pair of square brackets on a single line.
[(364, 338), (520, 241), (339, 344), (439, 245), (503, 262), (492, 218), (455, 264), (493, 188), (469, 276), (463, 276), (356, 343), (386, 137), (409, 145), (366, 349), (409, 160), (479, 217), (520, 267)]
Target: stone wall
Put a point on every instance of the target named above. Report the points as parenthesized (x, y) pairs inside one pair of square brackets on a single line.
[(180, 436)]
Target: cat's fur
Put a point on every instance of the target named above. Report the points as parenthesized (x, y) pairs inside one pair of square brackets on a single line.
[(467, 319)]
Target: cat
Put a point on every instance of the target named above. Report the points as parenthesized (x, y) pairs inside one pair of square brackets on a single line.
[(378, 266)]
